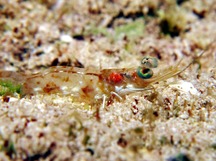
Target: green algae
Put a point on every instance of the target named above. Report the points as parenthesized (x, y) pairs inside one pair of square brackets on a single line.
[(8, 87), (131, 30)]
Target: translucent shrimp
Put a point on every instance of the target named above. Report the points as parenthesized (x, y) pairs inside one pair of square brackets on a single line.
[(91, 85)]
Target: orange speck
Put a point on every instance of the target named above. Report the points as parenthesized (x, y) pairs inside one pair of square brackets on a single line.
[(51, 87)]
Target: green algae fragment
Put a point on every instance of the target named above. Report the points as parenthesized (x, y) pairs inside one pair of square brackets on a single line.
[(172, 21), (213, 146), (8, 148), (97, 30), (86, 139), (164, 140), (138, 130), (9, 87), (131, 30)]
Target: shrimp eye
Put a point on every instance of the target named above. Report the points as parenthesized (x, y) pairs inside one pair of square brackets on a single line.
[(149, 62), (144, 73)]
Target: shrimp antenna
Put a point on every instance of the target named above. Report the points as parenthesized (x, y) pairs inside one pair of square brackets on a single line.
[(192, 62), (175, 70), (196, 58)]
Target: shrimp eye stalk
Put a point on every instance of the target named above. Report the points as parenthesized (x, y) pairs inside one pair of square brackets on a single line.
[(144, 73), (149, 62)]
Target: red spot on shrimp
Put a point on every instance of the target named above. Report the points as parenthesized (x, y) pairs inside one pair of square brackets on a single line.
[(115, 78)]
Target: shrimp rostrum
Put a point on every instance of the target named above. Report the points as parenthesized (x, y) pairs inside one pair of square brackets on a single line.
[(91, 85)]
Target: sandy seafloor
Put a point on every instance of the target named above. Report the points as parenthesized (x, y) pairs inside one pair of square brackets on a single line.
[(174, 120)]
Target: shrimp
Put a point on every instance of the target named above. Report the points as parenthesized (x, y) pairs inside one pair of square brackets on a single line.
[(91, 85)]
